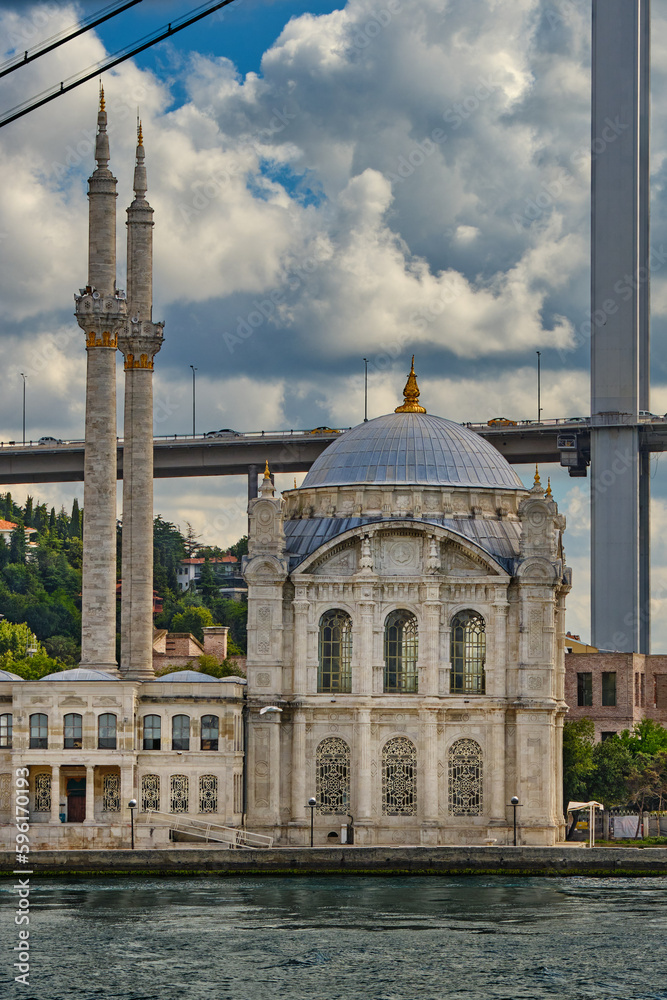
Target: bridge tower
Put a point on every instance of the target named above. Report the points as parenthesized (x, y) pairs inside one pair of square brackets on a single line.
[(100, 312), (620, 585), (139, 341)]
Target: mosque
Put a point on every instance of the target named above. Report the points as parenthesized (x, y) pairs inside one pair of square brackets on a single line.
[(406, 606)]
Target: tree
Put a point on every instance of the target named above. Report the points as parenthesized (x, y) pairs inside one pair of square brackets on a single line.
[(168, 550), (193, 620), (578, 741), (207, 582), (75, 520), (17, 548), (643, 784), (647, 737), (28, 512), (191, 540), (612, 763), (209, 665), (240, 548)]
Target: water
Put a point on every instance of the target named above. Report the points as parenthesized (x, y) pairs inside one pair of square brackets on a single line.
[(341, 939)]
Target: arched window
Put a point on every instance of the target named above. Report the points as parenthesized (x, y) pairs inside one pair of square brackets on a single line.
[(399, 777), (39, 732), (468, 653), (152, 732), (106, 732), (180, 732), (465, 778), (335, 653), (150, 792), (332, 776), (72, 731), (209, 734), (6, 731), (400, 653), (208, 793), (180, 792)]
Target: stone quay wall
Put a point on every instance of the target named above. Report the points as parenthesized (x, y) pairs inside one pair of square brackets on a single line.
[(551, 861)]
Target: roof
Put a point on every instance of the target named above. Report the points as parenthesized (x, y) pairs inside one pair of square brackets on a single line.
[(79, 674), (7, 675), (200, 560), (190, 676), (7, 525), (412, 448), (499, 538)]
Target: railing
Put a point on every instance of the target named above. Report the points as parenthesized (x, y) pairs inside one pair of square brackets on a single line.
[(215, 832)]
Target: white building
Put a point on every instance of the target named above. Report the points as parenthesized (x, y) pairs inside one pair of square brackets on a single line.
[(406, 614)]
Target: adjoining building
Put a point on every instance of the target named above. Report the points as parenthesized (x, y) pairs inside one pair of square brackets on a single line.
[(406, 617)]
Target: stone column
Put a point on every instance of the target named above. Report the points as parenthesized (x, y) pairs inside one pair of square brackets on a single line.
[(299, 768), (497, 681), (364, 793), (300, 670), (274, 757), (90, 796), (495, 769), (429, 766), (55, 794), (362, 677), (430, 645)]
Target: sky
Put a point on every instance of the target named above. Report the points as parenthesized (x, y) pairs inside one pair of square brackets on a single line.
[(330, 182)]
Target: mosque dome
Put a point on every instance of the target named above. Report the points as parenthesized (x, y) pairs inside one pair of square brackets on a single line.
[(412, 447), (189, 676), (7, 675), (79, 674)]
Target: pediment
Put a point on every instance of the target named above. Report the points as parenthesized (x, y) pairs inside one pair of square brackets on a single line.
[(341, 562)]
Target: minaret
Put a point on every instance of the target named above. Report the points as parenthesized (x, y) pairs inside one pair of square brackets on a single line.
[(140, 341), (100, 312)]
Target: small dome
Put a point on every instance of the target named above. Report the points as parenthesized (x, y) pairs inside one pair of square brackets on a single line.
[(412, 448), (191, 676), (79, 674), (7, 675)]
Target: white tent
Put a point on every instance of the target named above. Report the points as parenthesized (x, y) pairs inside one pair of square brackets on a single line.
[(591, 806)]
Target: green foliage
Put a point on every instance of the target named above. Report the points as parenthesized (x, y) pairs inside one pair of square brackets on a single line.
[(240, 548), (37, 666), (17, 548), (193, 620), (210, 665), (647, 737), (207, 582), (612, 762), (63, 648), (168, 550), (578, 742), (235, 615), (15, 641)]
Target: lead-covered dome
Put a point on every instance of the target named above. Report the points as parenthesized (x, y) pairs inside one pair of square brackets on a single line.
[(412, 448)]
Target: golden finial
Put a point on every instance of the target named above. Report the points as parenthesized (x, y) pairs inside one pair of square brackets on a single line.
[(140, 134), (267, 474), (411, 394), (102, 105), (549, 494), (295, 482), (536, 481)]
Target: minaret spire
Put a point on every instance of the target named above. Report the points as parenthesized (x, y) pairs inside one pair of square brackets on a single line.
[(411, 394), (140, 341), (100, 312)]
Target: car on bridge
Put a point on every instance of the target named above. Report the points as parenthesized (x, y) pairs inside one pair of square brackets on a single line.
[(501, 422), (49, 441), (325, 430), (224, 432)]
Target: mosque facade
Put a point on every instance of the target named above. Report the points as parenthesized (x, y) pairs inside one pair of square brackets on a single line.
[(406, 643)]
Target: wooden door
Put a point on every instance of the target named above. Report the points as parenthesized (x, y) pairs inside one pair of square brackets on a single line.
[(76, 808)]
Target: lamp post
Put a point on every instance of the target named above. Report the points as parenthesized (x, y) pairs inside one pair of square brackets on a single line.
[(24, 377), (194, 396), (133, 805), (365, 360), (514, 802), (539, 387), (312, 803)]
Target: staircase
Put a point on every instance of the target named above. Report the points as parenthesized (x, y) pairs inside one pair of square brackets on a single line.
[(209, 832)]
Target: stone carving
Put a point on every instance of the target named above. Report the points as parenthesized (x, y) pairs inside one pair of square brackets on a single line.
[(535, 633), (263, 679), (401, 555), (535, 682)]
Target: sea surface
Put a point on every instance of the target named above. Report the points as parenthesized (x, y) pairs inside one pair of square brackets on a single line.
[(376, 938)]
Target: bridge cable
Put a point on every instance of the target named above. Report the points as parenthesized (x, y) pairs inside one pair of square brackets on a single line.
[(118, 57)]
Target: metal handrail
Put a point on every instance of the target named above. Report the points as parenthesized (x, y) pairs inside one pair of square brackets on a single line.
[(231, 835)]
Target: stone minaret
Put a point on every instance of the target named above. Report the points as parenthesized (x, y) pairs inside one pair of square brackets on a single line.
[(101, 314), (140, 341)]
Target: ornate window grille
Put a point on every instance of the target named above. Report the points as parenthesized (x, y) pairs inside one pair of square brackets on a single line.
[(468, 653), (332, 776), (401, 646), (150, 792), (152, 732), (180, 732), (6, 731), (42, 793), (465, 778), (106, 732), (209, 734), (180, 792), (399, 777), (334, 672), (72, 731), (5, 795), (111, 793), (208, 793), (39, 732)]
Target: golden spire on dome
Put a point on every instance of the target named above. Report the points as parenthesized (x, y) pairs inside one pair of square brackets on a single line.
[(536, 481), (102, 104), (267, 474), (549, 494), (411, 394)]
